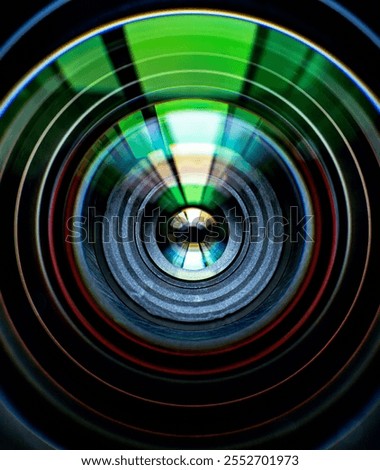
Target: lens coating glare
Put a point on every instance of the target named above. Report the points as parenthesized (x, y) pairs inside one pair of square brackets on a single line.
[(194, 240)]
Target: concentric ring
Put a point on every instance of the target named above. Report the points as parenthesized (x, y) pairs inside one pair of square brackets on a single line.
[(190, 237)]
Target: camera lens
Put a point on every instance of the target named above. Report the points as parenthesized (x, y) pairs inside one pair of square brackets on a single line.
[(189, 229)]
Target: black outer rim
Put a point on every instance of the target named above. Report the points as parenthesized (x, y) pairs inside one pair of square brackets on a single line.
[(347, 49), (337, 35)]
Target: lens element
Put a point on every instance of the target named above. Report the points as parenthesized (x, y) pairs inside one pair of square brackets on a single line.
[(189, 235), (193, 239)]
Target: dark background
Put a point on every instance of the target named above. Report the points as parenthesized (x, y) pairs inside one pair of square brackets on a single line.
[(16, 12)]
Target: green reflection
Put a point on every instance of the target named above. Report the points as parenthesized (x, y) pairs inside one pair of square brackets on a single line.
[(207, 56), (88, 65), (180, 51)]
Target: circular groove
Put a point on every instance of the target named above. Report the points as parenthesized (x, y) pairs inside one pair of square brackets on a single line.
[(190, 233)]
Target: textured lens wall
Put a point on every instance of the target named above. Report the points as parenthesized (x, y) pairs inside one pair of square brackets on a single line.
[(190, 232)]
